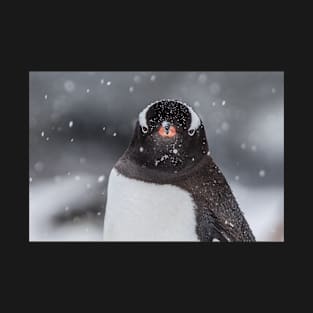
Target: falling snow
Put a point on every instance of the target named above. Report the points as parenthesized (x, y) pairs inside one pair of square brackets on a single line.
[(196, 104), (152, 78), (137, 79), (103, 128), (223, 102), (175, 151), (46, 96), (66, 208), (229, 223), (102, 81), (77, 177), (30, 179), (47, 138), (69, 86), (131, 89), (253, 148), (87, 90), (261, 173), (72, 139), (237, 177), (39, 166), (213, 104), (114, 134), (202, 78), (101, 178), (42, 134), (225, 126), (141, 149), (82, 160), (70, 124), (109, 83), (243, 146)]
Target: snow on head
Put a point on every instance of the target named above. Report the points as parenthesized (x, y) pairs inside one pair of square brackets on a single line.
[(195, 120)]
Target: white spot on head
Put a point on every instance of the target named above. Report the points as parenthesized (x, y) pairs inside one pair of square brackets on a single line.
[(195, 120)]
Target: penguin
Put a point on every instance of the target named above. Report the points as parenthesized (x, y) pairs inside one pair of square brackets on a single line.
[(166, 186)]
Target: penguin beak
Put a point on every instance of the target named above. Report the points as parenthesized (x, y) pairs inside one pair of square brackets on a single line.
[(167, 130)]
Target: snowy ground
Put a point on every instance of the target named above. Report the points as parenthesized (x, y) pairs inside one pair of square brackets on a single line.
[(70, 211)]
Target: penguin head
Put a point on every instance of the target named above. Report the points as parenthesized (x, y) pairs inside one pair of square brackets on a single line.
[(169, 136)]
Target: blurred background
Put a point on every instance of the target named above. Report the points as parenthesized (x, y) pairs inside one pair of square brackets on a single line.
[(80, 123)]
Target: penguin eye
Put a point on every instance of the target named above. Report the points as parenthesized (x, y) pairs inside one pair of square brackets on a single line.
[(144, 129), (191, 132)]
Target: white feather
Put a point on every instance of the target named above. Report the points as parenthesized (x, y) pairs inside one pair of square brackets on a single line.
[(140, 211)]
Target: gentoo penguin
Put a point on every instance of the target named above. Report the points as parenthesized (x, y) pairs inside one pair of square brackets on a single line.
[(166, 186)]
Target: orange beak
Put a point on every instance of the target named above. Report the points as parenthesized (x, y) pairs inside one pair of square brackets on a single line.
[(166, 131)]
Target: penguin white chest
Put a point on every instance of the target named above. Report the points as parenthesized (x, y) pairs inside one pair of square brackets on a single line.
[(140, 211)]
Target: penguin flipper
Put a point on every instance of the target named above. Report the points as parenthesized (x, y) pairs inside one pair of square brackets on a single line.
[(209, 228)]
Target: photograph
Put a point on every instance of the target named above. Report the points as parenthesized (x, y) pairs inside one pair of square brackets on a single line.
[(156, 156)]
